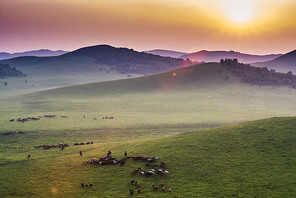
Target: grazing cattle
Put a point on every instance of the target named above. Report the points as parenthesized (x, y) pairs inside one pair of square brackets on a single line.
[(91, 185), (106, 162), (151, 165), (87, 143), (139, 190), (149, 159), (28, 156), (161, 184), (12, 120), (82, 184), (170, 190), (162, 164), (9, 133), (155, 187), (86, 185), (162, 171), (80, 152), (133, 181), (122, 162), (137, 158), (163, 189), (147, 173), (91, 142), (76, 144), (134, 171), (131, 191), (49, 116)]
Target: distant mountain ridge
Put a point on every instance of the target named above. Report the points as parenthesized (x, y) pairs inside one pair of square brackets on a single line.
[(39, 53), (93, 58), (216, 56), (284, 63)]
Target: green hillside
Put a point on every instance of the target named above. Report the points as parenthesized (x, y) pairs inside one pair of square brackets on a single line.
[(255, 159), (159, 115), (197, 97)]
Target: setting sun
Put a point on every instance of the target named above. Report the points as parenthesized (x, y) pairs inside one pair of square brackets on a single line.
[(240, 11)]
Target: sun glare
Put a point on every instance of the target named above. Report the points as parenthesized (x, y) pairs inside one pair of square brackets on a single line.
[(240, 11)]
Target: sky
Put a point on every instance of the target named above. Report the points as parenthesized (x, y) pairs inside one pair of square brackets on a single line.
[(247, 26)]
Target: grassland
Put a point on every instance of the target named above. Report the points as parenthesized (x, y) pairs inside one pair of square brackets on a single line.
[(163, 115), (255, 159)]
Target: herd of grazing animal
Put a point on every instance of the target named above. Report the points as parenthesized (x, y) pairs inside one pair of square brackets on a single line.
[(82, 143), (109, 160), (108, 117), (50, 116), (60, 145), (32, 118), (13, 132)]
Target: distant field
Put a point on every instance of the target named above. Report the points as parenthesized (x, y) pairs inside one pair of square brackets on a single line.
[(160, 115)]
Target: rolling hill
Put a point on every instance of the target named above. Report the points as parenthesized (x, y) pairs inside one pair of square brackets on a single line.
[(158, 115), (216, 56), (196, 96), (94, 58), (284, 63), (85, 65)]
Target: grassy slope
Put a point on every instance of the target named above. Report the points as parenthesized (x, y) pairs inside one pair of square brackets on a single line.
[(150, 107), (255, 159), (158, 100)]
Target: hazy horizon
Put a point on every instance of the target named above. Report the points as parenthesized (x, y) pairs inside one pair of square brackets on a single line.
[(253, 27)]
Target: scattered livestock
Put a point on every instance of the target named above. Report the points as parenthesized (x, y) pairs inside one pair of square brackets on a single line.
[(162, 164), (9, 133), (109, 160), (60, 145), (49, 116), (86, 185), (155, 187), (150, 165), (107, 117), (101, 161), (28, 156), (131, 191), (26, 119), (121, 163), (82, 143), (13, 132), (35, 118), (146, 159)]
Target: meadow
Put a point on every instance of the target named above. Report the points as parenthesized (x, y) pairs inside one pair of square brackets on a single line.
[(167, 115)]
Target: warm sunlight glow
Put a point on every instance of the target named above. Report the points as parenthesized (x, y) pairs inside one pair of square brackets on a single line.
[(240, 11)]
